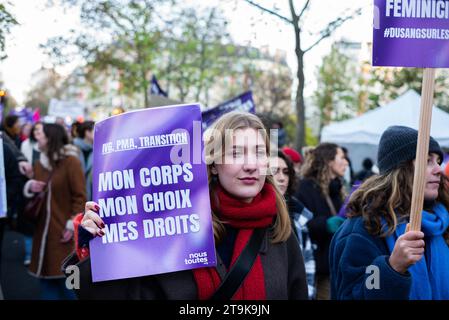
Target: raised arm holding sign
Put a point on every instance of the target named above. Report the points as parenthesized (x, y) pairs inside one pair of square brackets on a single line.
[(162, 217), (414, 33), (152, 194), (394, 244)]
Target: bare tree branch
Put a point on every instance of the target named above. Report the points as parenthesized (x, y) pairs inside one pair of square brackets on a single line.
[(269, 11), (297, 21), (295, 17), (304, 9), (332, 26)]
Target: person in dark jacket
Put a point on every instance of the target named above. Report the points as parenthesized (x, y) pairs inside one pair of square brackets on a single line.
[(243, 198), (18, 161), (24, 166), (11, 126), (373, 255), (321, 191), (14, 184), (284, 175), (366, 172), (85, 141)]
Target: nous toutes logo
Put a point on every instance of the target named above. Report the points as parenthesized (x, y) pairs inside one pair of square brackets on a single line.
[(197, 257)]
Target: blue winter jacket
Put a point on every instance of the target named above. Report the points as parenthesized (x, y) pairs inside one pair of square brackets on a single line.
[(359, 266)]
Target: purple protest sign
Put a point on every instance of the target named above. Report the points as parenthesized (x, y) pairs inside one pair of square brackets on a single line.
[(151, 183), (411, 33), (243, 102), (25, 115)]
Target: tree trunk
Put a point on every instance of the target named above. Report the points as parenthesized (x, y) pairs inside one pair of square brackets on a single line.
[(143, 73), (299, 101), (145, 97), (145, 83)]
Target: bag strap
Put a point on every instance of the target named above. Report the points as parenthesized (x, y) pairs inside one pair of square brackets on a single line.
[(234, 278), (47, 182), (331, 205)]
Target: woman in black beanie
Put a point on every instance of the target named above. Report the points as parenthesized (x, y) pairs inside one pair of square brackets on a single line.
[(373, 255)]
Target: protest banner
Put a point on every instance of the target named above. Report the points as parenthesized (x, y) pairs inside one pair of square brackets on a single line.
[(243, 102), (3, 204), (151, 184), (414, 33), (25, 115), (411, 33), (66, 109)]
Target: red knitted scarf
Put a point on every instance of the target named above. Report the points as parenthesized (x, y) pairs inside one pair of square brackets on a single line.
[(245, 217)]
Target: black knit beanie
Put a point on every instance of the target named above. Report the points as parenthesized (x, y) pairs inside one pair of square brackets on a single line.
[(398, 145)]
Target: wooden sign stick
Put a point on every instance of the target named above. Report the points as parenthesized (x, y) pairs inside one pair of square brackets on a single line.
[(422, 149)]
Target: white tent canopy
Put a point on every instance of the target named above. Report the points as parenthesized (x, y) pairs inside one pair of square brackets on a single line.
[(364, 132)]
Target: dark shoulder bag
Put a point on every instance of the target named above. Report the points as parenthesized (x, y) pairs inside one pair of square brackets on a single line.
[(34, 205), (235, 277)]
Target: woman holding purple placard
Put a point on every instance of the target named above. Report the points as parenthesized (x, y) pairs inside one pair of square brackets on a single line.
[(245, 203), (374, 256)]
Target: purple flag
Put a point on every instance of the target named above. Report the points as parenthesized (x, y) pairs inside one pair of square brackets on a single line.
[(411, 33), (243, 102), (150, 181), (156, 88)]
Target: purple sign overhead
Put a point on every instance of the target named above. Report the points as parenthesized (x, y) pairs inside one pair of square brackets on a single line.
[(411, 33), (150, 181), (243, 102)]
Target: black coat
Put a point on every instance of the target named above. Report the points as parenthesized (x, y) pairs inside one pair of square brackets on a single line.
[(14, 190), (7, 140), (14, 179), (310, 195), (282, 263)]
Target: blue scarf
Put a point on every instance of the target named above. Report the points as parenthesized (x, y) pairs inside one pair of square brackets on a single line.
[(430, 275)]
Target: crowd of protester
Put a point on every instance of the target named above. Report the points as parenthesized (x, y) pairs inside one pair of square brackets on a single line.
[(37, 157), (323, 224)]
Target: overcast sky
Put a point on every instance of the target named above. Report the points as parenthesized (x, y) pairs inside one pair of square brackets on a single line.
[(247, 26)]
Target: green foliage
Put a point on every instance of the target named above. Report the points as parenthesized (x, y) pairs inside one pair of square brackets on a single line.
[(335, 95), (197, 53), (7, 21), (49, 86), (289, 122), (395, 81), (311, 139), (290, 127), (128, 41), (117, 36), (272, 90)]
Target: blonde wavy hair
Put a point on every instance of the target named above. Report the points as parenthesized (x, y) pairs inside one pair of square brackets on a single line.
[(215, 138), (389, 197)]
